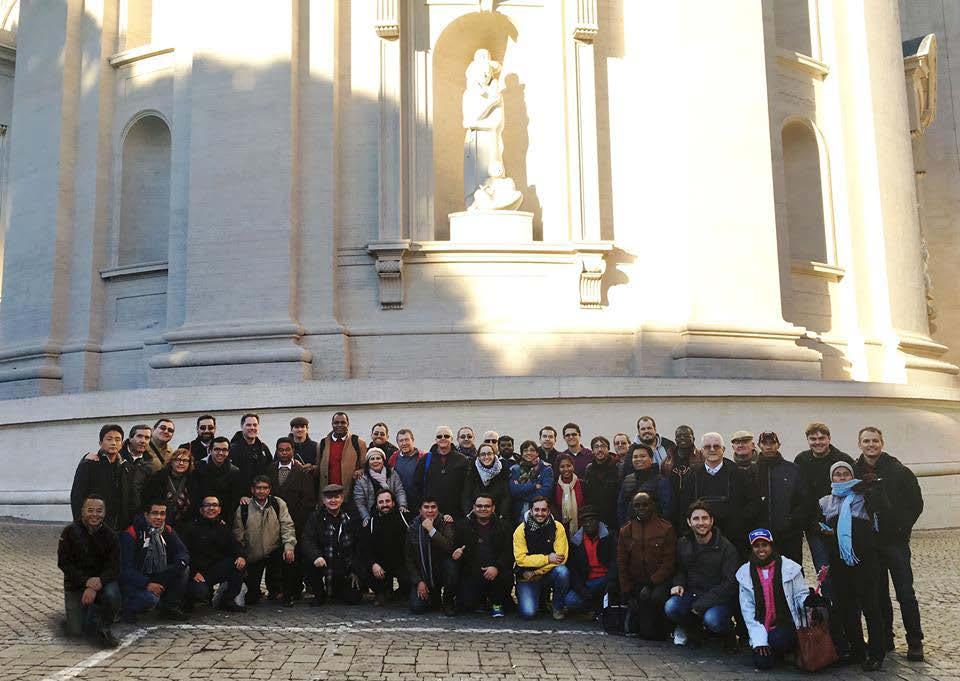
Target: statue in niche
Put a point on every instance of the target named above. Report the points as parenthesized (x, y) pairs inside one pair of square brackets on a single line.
[(486, 185)]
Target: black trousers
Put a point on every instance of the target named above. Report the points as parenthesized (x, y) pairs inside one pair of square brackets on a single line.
[(330, 585), (856, 589), (223, 570), (281, 577)]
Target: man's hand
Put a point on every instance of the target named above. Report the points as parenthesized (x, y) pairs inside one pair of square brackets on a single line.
[(288, 556), (490, 573), (320, 562), (366, 521), (423, 593), (676, 591), (199, 578), (763, 651), (447, 518), (427, 524), (94, 583), (527, 575), (555, 558), (308, 467), (357, 474), (404, 509), (91, 456), (457, 553), (240, 563), (88, 597), (378, 571), (156, 589), (244, 501)]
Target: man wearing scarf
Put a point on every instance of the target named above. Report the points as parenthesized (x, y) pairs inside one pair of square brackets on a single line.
[(432, 559), (540, 552), (153, 565), (601, 482), (646, 556), (782, 503), (772, 592), (848, 527), (329, 550)]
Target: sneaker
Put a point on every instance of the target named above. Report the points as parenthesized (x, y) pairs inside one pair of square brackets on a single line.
[(559, 614), (915, 652), (496, 611), (106, 639), (679, 636)]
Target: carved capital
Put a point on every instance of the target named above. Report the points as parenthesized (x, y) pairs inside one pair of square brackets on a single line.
[(592, 267), (387, 24), (389, 267), (587, 26)]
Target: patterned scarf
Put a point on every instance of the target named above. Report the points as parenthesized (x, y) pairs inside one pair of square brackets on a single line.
[(378, 478), (155, 551), (568, 504), (179, 496), (488, 473), (528, 471)]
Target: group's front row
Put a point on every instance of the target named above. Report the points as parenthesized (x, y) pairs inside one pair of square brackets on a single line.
[(689, 585)]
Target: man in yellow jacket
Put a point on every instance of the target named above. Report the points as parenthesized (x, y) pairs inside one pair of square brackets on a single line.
[(540, 550)]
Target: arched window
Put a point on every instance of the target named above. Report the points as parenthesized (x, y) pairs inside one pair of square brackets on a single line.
[(145, 193)]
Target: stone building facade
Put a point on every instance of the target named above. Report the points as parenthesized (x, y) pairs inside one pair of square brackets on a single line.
[(231, 204)]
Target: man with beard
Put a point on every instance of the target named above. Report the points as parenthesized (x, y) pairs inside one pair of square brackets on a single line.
[(163, 431), (431, 558), (677, 468), (647, 434), (381, 549), (330, 551), (548, 442), (505, 450), (103, 475), (744, 451), (304, 449), (782, 504), (219, 478), (646, 556), (540, 552), (216, 557), (248, 453), (340, 455), (200, 446), (733, 497), (601, 482), (487, 562), (814, 464), (380, 437)]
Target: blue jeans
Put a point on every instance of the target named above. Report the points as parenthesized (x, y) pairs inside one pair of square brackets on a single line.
[(85, 619), (780, 640), (717, 619), (895, 565), (596, 587), (528, 593)]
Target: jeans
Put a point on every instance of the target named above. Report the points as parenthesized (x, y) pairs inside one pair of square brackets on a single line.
[(85, 619), (895, 565), (473, 587), (446, 578), (528, 593), (780, 640), (174, 581), (281, 577), (325, 585), (820, 556), (717, 619), (223, 570), (597, 587)]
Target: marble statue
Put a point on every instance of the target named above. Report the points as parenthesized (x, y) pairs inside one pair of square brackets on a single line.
[(486, 186)]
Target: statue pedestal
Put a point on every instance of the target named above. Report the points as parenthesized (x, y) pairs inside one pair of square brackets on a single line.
[(491, 226)]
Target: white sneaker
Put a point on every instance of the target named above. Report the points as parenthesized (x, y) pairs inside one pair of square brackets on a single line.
[(679, 636)]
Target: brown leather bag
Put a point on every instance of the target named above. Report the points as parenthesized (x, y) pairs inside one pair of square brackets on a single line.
[(815, 649)]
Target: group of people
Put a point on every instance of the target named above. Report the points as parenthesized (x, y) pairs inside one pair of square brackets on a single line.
[(689, 542)]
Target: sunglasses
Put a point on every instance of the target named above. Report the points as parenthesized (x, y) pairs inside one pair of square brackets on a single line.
[(444, 436)]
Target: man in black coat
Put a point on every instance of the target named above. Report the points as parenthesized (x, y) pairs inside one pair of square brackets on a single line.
[(248, 453), (206, 431), (894, 525), (217, 477), (329, 550), (304, 449), (733, 498), (486, 564), (381, 549), (783, 508), (601, 482), (440, 475), (102, 476), (215, 557)]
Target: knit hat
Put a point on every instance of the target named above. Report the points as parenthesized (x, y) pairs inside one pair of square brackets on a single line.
[(841, 464), (376, 450)]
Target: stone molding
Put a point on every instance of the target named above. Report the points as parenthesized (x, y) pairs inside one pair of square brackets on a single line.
[(587, 26), (818, 269), (592, 267), (802, 62), (387, 24), (389, 267), (135, 54)]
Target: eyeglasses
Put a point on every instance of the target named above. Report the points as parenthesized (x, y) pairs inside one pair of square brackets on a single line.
[(210, 505), (571, 434), (490, 442), (181, 460), (166, 429), (711, 448), (466, 436), (444, 436), (221, 450)]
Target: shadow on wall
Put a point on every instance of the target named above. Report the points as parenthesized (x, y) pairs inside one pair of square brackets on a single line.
[(608, 46), (515, 144)]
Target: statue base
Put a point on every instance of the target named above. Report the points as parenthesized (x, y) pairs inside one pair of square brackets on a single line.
[(491, 226)]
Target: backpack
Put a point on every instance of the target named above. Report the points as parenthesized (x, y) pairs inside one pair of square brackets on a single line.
[(245, 510), (354, 440)]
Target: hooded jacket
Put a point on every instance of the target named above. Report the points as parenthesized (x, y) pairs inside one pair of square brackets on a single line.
[(578, 562)]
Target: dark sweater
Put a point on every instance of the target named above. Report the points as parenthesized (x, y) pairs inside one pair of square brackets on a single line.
[(82, 554), (209, 542), (815, 478)]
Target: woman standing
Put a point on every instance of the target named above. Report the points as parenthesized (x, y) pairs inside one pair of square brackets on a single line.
[(488, 475), (854, 564), (176, 486), (567, 495), (377, 475), (640, 475), (529, 479)]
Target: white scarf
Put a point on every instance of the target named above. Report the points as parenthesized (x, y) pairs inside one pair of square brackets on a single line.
[(568, 503), (380, 477), (488, 474)]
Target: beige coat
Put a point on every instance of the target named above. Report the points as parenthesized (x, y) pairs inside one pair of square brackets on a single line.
[(352, 461), (265, 532)]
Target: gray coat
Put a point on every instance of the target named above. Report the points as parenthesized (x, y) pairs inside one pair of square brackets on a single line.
[(365, 492)]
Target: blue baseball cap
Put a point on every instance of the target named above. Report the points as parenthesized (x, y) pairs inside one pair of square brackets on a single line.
[(760, 533)]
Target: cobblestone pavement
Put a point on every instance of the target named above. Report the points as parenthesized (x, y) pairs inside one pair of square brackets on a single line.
[(367, 643)]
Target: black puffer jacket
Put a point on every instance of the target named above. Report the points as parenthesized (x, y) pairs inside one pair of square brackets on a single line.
[(252, 459), (901, 503), (208, 542), (708, 570)]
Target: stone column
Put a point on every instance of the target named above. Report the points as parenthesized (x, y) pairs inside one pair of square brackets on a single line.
[(716, 109), (37, 253), (243, 223)]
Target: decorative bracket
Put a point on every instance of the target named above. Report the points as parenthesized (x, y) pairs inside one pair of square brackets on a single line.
[(592, 267), (389, 266), (920, 70), (587, 26), (387, 24)]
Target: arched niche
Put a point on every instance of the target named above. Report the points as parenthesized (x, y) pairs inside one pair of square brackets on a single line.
[(453, 51), (144, 214)]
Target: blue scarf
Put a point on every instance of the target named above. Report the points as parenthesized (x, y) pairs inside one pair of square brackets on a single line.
[(845, 520)]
